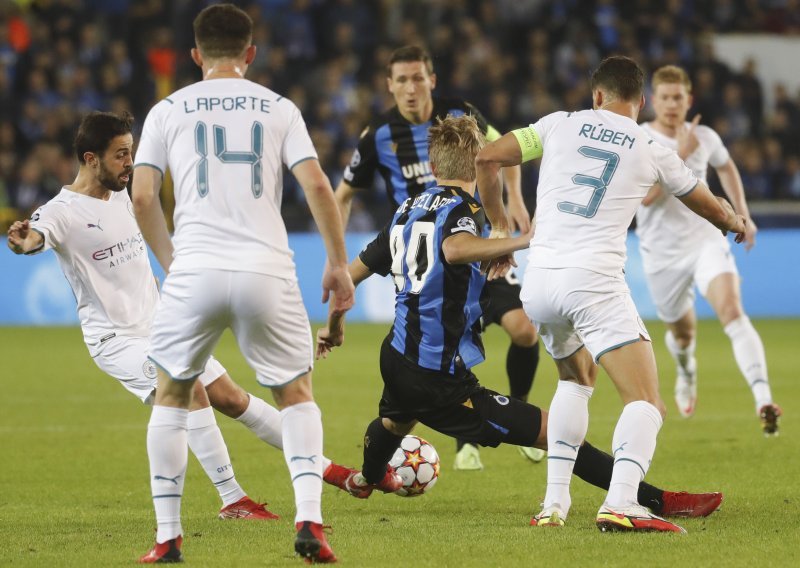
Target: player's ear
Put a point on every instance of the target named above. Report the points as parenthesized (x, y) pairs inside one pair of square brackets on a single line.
[(433, 81), (597, 98), (250, 54), (641, 103), (197, 57), (89, 158)]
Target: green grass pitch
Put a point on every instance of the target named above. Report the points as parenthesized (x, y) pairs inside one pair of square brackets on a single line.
[(74, 485)]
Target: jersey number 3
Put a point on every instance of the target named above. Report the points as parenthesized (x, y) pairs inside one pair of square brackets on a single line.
[(598, 184), (253, 157)]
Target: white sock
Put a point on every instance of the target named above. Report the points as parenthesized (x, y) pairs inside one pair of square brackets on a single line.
[(633, 446), (208, 446), (683, 356), (166, 449), (748, 350), (567, 423), (302, 446), (264, 421)]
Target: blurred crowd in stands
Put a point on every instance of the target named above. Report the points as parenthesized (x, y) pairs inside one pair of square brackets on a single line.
[(516, 60)]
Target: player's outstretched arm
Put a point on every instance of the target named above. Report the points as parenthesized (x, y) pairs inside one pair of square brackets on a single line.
[(332, 335), (731, 183), (518, 216), (22, 239), (319, 195), (463, 248), (504, 152), (716, 210), (150, 215)]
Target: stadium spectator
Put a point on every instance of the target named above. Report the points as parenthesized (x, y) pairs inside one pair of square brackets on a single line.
[(71, 42)]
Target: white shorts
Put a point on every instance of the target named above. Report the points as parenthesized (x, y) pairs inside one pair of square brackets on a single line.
[(265, 313), (126, 359), (573, 307), (672, 289)]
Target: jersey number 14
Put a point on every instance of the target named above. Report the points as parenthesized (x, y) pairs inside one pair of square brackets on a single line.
[(253, 157)]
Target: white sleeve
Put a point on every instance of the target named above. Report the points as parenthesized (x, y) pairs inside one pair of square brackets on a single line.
[(297, 144), (152, 150), (544, 126), (52, 222), (673, 175), (717, 152)]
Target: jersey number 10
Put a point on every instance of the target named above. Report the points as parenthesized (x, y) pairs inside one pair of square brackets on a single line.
[(418, 256), (253, 157)]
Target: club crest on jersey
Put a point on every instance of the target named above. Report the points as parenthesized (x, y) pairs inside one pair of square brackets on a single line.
[(356, 159), (149, 369), (93, 226), (501, 400), (465, 224)]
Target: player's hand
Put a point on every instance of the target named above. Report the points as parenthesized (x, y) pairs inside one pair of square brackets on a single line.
[(518, 217), (337, 280), (499, 267), (17, 233), (327, 340), (486, 265), (687, 140), (750, 235), (739, 228)]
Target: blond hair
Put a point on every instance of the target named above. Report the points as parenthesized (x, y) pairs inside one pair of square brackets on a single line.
[(453, 144), (671, 74)]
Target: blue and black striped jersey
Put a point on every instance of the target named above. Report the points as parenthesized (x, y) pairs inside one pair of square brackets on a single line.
[(437, 307), (398, 150)]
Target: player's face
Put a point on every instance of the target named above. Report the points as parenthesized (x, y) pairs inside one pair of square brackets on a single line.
[(116, 164), (671, 102), (411, 86)]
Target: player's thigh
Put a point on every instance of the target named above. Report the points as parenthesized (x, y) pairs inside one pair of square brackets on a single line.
[(502, 296), (271, 327), (125, 359), (542, 304), (718, 281), (672, 291), (601, 309), (632, 369), (488, 418), (190, 318)]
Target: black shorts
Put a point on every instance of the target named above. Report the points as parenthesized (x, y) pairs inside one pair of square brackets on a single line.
[(454, 405), (499, 297)]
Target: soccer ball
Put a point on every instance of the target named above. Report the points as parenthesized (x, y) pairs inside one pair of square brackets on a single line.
[(418, 464)]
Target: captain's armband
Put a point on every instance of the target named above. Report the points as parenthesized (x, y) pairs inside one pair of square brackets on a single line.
[(529, 143)]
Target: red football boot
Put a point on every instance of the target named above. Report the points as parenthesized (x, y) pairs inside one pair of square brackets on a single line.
[(246, 508), (311, 543), (164, 552), (682, 504)]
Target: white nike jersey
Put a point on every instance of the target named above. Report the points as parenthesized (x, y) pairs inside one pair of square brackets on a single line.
[(596, 168), (225, 141), (668, 230), (103, 255)]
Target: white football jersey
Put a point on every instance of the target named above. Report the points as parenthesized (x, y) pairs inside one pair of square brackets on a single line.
[(596, 168), (104, 258), (668, 230), (225, 141)]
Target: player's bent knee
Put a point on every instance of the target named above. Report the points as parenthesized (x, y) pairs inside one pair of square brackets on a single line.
[(397, 428)]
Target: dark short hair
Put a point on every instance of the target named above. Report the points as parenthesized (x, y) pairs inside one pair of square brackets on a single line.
[(621, 76), (222, 30), (98, 129), (410, 54)]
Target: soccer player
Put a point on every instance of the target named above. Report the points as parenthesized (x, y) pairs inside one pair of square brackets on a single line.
[(91, 228), (431, 248), (597, 166), (225, 141), (395, 144), (681, 251)]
